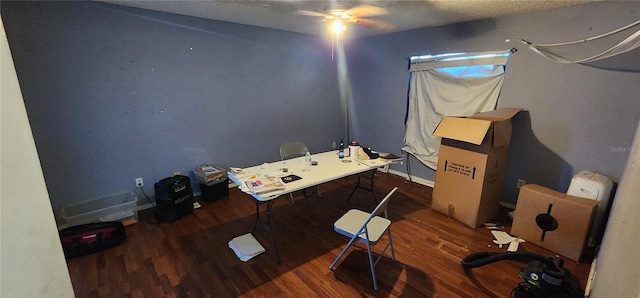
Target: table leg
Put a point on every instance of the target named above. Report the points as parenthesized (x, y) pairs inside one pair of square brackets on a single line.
[(267, 224), (408, 167), (369, 189)]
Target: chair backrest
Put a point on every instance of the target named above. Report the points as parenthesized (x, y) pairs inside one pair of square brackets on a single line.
[(292, 149), (382, 206)]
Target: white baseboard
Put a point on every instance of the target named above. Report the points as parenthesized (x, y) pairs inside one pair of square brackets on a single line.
[(592, 276), (145, 206), (415, 179), (431, 184), (508, 205)]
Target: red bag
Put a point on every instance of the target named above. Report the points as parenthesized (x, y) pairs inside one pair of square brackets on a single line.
[(92, 237)]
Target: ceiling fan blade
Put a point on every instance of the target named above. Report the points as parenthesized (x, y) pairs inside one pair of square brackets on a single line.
[(311, 13), (375, 24), (366, 11)]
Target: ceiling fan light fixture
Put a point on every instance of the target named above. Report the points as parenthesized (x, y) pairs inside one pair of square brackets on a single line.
[(338, 27)]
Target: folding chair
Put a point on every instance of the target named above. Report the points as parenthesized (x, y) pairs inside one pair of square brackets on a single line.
[(292, 150), (367, 228)]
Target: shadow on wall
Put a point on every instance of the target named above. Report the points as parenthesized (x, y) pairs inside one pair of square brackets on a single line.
[(532, 161), (620, 62)]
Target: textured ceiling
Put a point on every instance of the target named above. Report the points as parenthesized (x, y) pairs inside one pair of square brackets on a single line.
[(406, 15)]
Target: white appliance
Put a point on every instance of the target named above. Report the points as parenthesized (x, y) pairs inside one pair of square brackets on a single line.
[(590, 185)]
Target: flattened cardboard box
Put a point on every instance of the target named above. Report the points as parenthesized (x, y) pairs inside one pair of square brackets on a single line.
[(553, 220), (471, 165)]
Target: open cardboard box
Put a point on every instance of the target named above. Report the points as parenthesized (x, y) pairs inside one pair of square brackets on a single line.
[(553, 220), (471, 165)]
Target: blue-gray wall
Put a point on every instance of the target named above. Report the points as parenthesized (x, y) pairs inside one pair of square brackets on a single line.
[(576, 117), (116, 93)]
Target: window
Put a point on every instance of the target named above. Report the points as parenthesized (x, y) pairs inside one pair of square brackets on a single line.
[(453, 84)]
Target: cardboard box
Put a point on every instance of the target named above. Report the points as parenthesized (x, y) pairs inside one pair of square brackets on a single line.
[(471, 165), (553, 220)]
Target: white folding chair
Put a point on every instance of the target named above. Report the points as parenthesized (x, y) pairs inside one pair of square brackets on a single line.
[(292, 150), (367, 228)]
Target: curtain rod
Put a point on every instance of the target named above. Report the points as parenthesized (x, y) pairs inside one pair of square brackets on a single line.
[(511, 50)]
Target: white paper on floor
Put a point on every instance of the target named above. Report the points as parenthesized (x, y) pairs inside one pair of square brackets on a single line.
[(246, 247), (505, 238)]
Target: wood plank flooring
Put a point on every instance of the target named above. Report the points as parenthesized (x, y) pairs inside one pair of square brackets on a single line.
[(191, 258)]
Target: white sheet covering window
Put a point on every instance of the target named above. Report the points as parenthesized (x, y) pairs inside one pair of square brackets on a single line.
[(448, 85)]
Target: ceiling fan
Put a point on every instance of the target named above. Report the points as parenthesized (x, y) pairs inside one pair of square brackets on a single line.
[(354, 15)]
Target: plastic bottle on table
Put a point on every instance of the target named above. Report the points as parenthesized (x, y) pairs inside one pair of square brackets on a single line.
[(307, 157), (341, 150)]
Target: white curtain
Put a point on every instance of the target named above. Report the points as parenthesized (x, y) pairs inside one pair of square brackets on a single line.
[(448, 85)]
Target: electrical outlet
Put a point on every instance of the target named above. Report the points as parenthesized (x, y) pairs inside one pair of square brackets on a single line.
[(333, 145), (520, 183), (139, 182)]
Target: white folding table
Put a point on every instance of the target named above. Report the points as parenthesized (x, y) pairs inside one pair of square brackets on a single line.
[(329, 167)]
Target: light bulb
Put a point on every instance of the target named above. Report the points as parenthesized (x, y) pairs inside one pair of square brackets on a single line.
[(337, 27)]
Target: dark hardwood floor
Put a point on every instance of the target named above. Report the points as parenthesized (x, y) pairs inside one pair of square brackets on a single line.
[(191, 258)]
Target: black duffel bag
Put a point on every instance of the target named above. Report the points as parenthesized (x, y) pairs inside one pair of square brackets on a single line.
[(92, 237)]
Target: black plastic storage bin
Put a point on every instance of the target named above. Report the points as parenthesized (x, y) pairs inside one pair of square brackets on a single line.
[(215, 190)]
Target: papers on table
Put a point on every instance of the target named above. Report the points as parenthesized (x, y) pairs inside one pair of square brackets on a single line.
[(236, 170), (390, 156), (246, 247), (263, 185), (378, 162)]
